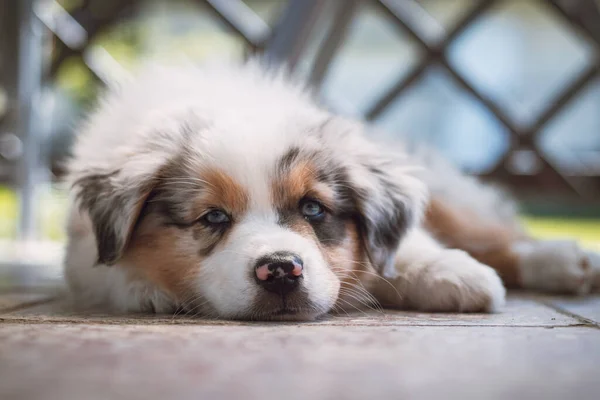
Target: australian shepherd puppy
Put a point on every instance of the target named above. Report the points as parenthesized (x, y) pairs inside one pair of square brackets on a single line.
[(228, 192)]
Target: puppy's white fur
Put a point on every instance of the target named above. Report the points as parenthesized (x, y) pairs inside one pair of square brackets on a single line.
[(240, 112)]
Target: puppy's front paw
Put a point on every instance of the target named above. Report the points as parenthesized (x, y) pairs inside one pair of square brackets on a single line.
[(455, 282), (559, 267)]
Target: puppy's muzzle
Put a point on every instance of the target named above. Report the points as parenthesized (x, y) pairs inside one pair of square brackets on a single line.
[(279, 273)]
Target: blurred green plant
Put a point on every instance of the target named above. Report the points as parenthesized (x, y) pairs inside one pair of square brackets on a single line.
[(77, 82), (8, 213), (52, 208), (70, 5)]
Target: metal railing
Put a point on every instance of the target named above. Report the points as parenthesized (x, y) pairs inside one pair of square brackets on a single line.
[(287, 41), (546, 176)]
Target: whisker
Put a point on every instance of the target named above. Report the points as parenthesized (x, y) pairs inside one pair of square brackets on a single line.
[(353, 306), (374, 274), (337, 308), (360, 291), (363, 298)]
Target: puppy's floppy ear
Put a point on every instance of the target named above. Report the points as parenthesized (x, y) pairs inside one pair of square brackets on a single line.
[(112, 184), (388, 209), (388, 198), (114, 204)]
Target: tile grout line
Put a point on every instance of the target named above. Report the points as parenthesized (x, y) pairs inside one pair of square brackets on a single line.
[(25, 305), (581, 319), (27, 321)]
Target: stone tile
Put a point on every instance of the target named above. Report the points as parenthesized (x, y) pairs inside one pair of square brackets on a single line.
[(11, 301), (519, 311), (275, 361), (586, 307)]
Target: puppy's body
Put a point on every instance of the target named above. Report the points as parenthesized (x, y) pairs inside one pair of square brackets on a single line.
[(229, 193)]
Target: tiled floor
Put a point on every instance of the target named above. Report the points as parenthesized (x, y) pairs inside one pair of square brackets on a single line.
[(538, 347)]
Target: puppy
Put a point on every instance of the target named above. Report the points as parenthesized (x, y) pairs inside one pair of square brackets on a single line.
[(228, 193)]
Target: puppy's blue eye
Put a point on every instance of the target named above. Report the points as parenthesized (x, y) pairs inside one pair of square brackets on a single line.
[(216, 217), (312, 210)]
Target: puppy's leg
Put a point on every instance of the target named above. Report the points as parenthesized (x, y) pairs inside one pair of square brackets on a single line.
[(558, 266), (554, 266), (433, 278), (522, 262)]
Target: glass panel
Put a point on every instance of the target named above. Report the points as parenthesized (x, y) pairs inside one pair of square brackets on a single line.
[(315, 40), (572, 139), (268, 10), (373, 56), (437, 112), (447, 12), (520, 54)]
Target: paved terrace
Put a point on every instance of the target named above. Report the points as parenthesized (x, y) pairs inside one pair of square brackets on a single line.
[(538, 347)]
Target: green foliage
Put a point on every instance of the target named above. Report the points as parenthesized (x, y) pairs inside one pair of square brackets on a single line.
[(52, 211)]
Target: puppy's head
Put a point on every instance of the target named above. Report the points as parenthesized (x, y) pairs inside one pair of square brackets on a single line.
[(251, 225)]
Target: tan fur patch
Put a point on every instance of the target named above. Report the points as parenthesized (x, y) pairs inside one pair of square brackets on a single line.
[(171, 257), (488, 242), (288, 189), (164, 255), (222, 192)]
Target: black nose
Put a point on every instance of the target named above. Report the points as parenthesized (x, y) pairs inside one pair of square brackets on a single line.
[(279, 272)]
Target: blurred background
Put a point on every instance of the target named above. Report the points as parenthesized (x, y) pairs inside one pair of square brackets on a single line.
[(508, 89)]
